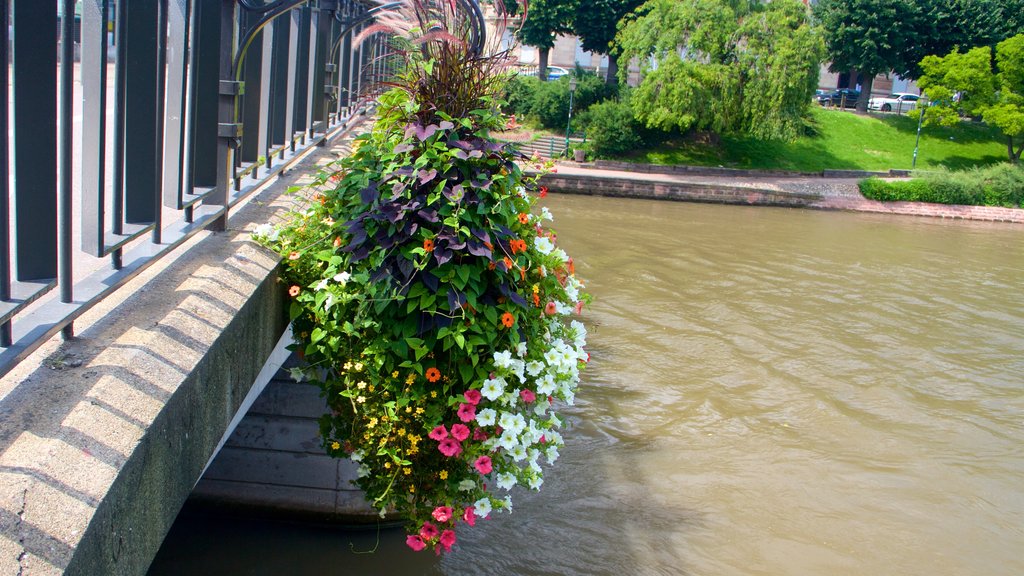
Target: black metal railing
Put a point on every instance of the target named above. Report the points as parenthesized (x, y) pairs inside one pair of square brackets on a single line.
[(185, 108)]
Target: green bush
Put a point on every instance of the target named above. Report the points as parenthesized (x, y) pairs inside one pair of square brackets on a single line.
[(548, 102), (611, 128), (998, 185), (519, 95)]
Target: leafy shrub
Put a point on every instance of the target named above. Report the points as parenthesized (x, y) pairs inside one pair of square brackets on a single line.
[(999, 185), (548, 102), (519, 95), (611, 128)]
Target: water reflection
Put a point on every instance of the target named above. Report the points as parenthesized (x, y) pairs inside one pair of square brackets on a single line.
[(773, 392)]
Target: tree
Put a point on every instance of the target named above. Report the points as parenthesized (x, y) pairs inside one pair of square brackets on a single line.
[(596, 23), (965, 84), (724, 66), (546, 19), (872, 37)]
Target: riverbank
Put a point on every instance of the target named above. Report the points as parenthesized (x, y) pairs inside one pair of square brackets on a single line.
[(803, 191)]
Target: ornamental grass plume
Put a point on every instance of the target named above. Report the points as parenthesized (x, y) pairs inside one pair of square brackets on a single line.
[(441, 374)]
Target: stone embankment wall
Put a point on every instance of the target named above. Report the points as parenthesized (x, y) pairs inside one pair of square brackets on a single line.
[(684, 191)]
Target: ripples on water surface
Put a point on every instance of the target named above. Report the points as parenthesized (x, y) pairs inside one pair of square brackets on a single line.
[(776, 392)]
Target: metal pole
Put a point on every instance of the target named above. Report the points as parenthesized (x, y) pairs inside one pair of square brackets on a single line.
[(568, 123), (67, 55), (5, 208), (917, 142)]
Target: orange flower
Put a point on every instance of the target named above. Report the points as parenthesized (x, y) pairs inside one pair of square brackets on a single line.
[(508, 319), (536, 299), (491, 266), (294, 291), (337, 242), (524, 218), (508, 263), (572, 267), (543, 191), (294, 256), (428, 245), (433, 374)]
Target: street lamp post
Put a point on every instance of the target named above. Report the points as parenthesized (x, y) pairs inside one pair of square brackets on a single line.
[(568, 123), (920, 119)]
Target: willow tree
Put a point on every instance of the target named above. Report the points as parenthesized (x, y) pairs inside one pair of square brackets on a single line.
[(724, 66)]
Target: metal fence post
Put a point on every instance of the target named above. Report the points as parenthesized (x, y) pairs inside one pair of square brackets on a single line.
[(227, 131)]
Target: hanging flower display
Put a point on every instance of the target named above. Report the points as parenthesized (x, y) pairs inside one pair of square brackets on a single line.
[(429, 296)]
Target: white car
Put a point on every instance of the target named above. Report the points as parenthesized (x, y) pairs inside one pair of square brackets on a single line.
[(898, 102), (554, 72)]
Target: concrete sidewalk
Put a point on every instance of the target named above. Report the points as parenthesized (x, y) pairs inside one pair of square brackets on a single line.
[(804, 191)]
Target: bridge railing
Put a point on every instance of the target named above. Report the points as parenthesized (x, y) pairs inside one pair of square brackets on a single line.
[(174, 111)]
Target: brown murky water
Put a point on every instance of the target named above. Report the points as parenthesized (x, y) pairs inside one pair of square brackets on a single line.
[(773, 392)]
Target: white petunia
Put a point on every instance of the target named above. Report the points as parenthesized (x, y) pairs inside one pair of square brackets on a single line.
[(506, 481), (543, 244), (514, 423), (267, 231), (482, 507), (342, 278), (535, 482), (545, 214), (493, 388), (503, 359), (521, 349), (552, 454), (362, 471), (467, 485), (321, 285), (533, 368), (546, 385), (485, 417), (518, 453)]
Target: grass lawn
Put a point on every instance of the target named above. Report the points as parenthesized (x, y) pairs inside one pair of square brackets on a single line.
[(843, 140)]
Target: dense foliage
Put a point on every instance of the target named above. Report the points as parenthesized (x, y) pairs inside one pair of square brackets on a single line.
[(872, 37), (722, 66), (964, 84), (545, 20), (611, 128), (596, 23), (999, 185), (430, 300), (548, 102)]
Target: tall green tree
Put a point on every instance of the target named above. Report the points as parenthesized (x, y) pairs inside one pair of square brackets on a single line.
[(872, 37), (596, 24), (724, 66), (964, 83), (545, 20)]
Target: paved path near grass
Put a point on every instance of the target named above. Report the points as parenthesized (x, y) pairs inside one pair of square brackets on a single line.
[(836, 193)]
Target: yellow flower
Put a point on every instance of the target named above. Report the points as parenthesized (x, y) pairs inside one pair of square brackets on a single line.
[(408, 409), (361, 399), (419, 410), (371, 388), (412, 488), (401, 431), (361, 385), (407, 471), (335, 446), (536, 288), (443, 474), (387, 465), (371, 423), (410, 378), (347, 366), (433, 393), (359, 366), (394, 374)]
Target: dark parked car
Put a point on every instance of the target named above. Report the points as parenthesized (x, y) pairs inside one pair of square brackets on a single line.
[(844, 97)]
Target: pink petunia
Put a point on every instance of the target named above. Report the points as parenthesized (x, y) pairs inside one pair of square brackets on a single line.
[(579, 308), (469, 516), (447, 539), (472, 397), (550, 309), (460, 432), (479, 435), (428, 531), (415, 542), (450, 447), (439, 433), (527, 395), (442, 513), (483, 465), (467, 412)]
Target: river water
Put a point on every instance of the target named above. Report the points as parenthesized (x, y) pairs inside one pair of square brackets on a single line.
[(773, 392)]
